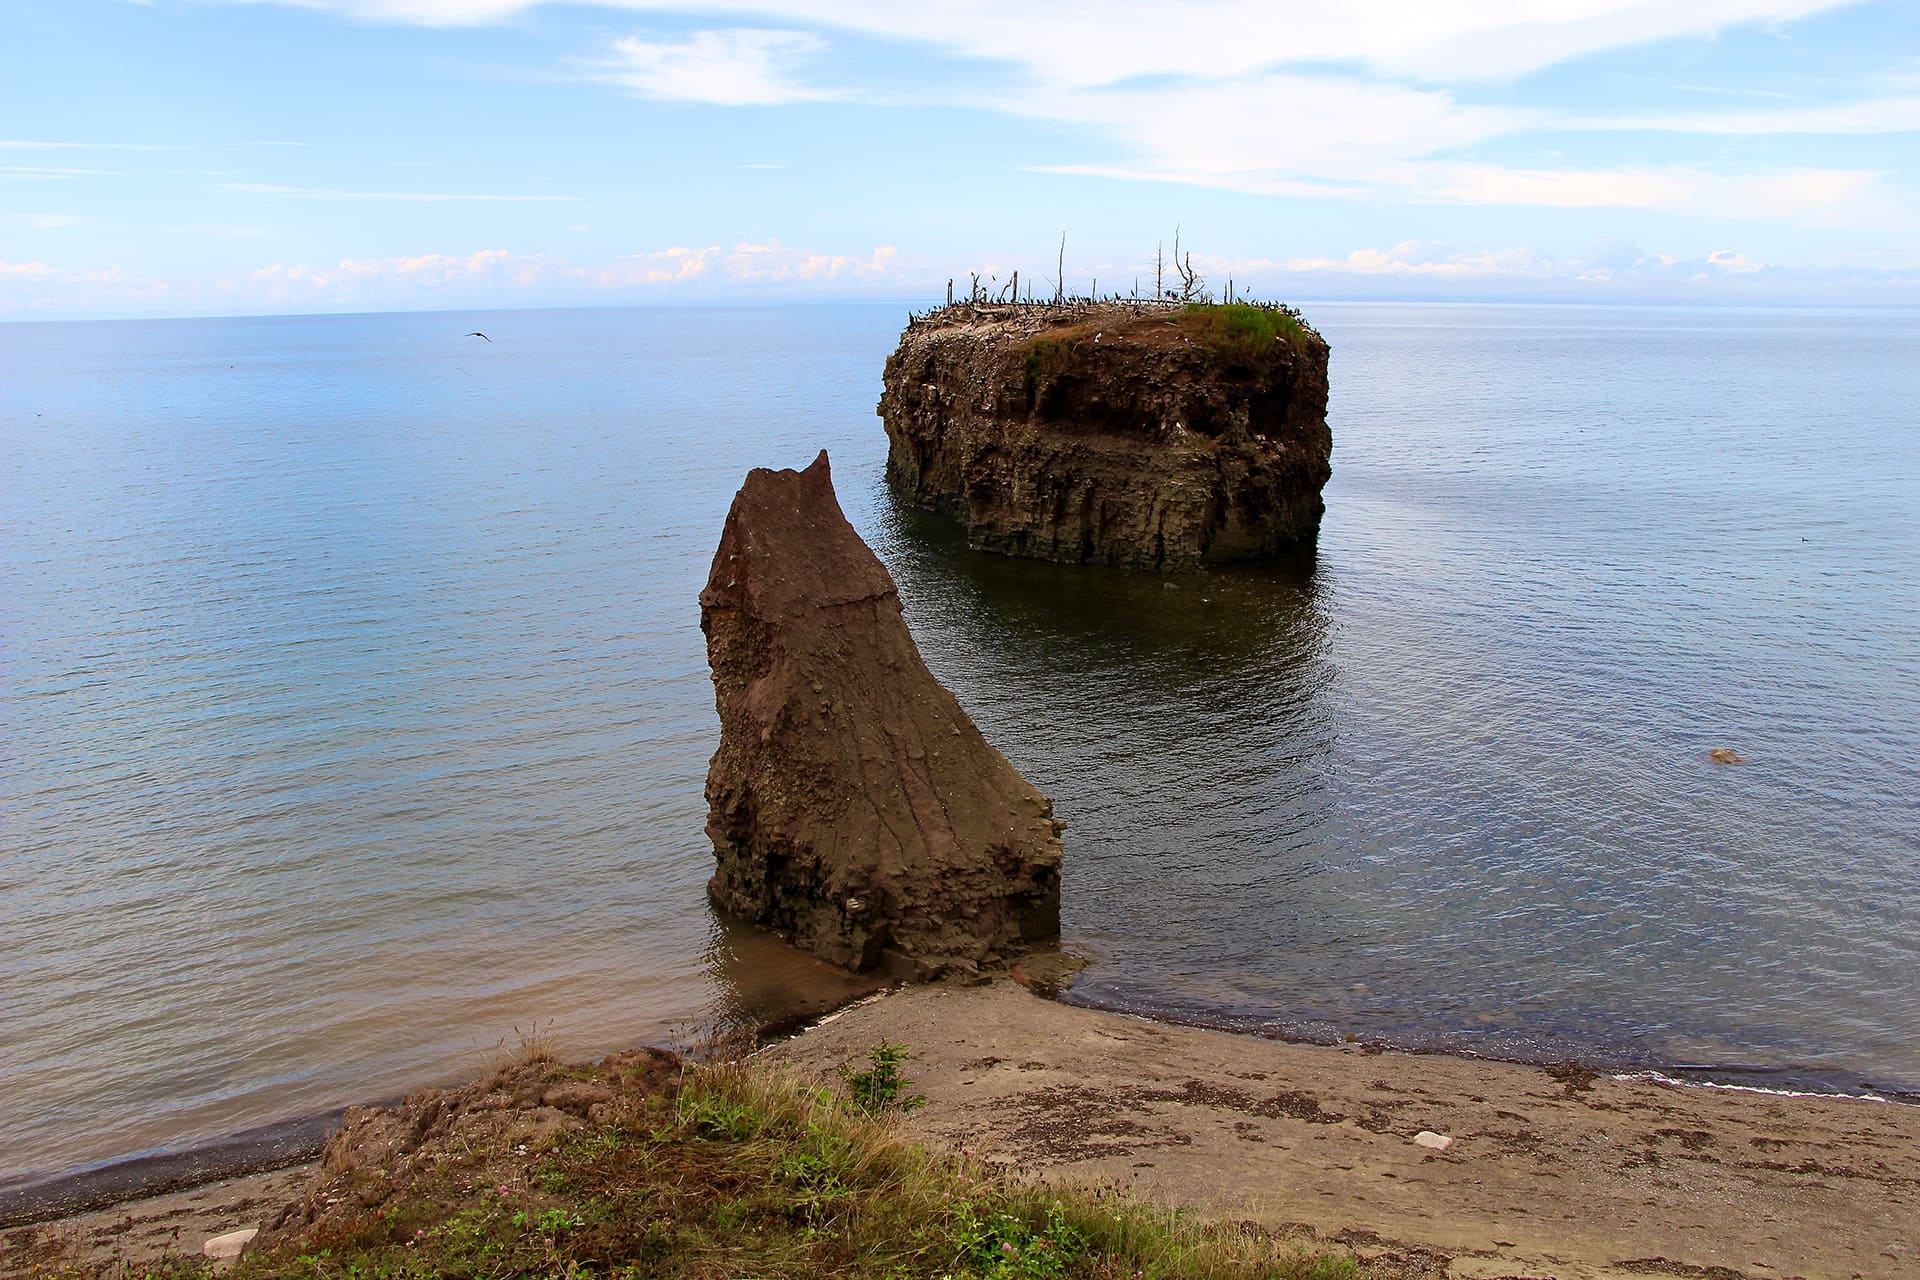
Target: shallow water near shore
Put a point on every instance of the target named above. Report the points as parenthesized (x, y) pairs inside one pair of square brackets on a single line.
[(357, 709)]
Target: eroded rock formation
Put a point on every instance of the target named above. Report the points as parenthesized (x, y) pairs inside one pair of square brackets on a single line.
[(853, 805), (1120, 433)]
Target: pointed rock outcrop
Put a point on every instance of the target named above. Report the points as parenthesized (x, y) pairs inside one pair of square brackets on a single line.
[(853, 805)]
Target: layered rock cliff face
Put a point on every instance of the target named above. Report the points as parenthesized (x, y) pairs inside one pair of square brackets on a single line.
[(1120, 433), (853, 805)]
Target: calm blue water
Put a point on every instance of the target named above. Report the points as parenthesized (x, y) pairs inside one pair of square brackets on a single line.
[(356, 710)]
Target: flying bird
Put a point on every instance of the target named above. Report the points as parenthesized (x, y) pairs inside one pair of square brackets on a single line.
[(477, 334)]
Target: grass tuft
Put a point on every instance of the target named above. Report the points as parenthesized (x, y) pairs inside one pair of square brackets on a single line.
[(1243, 330)]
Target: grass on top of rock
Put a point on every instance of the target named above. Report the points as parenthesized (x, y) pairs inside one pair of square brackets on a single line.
[(712, 1171), (1241, 329)]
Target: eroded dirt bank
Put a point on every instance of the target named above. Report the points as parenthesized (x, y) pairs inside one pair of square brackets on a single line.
[(1547, 1175)]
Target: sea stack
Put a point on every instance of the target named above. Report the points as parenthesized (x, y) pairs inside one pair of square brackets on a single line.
[(853, 806), (1132, 433)]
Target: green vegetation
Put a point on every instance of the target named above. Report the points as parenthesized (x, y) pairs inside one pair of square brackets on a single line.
[(1240, 329), (881, 1087), (730, 1171)]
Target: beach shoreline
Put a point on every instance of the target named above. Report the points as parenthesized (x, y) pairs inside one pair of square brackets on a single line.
[(1525, 1170)]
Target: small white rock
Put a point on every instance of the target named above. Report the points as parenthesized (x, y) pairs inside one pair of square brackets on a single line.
[(1428, 1138), (230, 1244)]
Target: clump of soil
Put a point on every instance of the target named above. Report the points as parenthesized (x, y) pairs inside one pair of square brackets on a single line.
[(507, 1145)]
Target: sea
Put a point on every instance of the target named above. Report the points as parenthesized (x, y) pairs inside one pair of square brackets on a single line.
[(356, 710)]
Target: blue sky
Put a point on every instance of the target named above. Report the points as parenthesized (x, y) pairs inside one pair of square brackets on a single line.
[(186, 157)]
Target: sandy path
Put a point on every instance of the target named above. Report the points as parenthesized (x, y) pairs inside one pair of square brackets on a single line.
[(1545, 1177)]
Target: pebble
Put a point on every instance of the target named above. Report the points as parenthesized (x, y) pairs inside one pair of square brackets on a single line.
[(1428, 1138), (230, 1244)]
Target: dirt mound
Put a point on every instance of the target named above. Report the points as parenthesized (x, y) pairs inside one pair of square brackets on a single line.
[(440, 1150), (854, 807)]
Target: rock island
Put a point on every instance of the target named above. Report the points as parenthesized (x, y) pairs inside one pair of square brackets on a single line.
[(1153, 435)]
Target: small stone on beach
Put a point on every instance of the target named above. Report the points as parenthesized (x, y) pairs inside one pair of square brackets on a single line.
[(1428, 1138), (230, 1244)]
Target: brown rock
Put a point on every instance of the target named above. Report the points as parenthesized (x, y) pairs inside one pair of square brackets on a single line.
[(1118, 433), (853, 805)]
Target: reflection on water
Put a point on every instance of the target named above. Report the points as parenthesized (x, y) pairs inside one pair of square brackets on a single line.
[(1182, 725), (764, 987)]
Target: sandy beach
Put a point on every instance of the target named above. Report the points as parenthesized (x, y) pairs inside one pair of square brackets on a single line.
[(1524, 1172), (1547, 1174)]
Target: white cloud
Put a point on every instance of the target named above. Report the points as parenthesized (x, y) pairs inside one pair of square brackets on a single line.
[(44, 221), (42, 288), (497, 275), (1889, 113), (1785, 194), (1413, 259), (321, 193), (742, 66), (1616, 272), (1362, 98), (1728, 260), (34, 173), (21, 144), (1253, 135), (1095, 42), (223, 230), (771, 263)]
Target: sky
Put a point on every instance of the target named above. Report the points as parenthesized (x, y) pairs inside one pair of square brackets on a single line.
[(219, 157)]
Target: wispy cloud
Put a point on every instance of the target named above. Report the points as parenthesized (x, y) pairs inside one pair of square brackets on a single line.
[(490, 277), (501, 274), (223, 230), (1617, 272), (766, 263), (738, 67), (45, 221), (1242, 134), (22, 144), (1793, 192), (323, 193), (43, 288), (497, 277), (1097, 42), (29, 172), (1890, 113), (1364, 98)]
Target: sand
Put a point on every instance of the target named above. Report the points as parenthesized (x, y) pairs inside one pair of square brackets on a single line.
[(1547, 1174), (146, 1231)]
